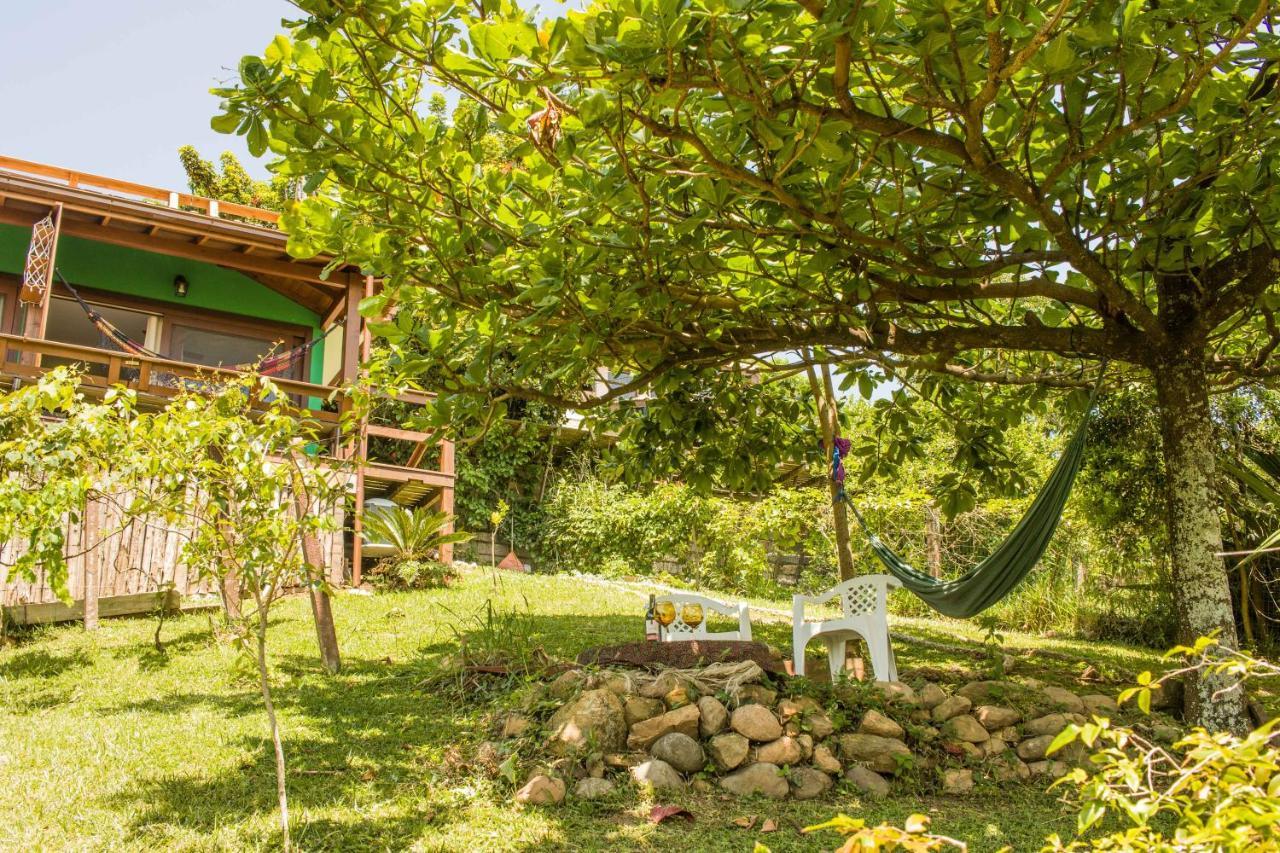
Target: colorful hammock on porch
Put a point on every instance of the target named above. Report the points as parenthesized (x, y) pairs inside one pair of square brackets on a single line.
[(270, 365)]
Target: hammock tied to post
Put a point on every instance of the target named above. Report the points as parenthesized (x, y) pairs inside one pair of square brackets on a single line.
[(271, 365), (996, 575)]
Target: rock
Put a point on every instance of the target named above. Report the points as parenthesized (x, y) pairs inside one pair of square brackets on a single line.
[(1009, 734), (656, 774), (1168, 695), (1098, 705), (969, 751), (1062, 698), (565, 684), (1166, 733), (592, 789), (819, 725), (867, 781), (759, 778), (515, 725), (806, 746), (897, 692), (967, 729), (1009, 663), (794, 706), (644, 733), (714, 716), (987, 692), (996, 717), (541, 791), (756, 694), (616, 682), (667, 681), (957, 780), (825, 760), (808, 783), (993, 747), (1034, 749), (1010, 769), (1049, 724), (756, 722), (702, 786), (728, 750), (931, 696), (594, 720), (679, 696), (783, 751), (1052, 769), (950, 707), (882, 754), (875, 723), (623, 759), (638, 708), (680, 751)]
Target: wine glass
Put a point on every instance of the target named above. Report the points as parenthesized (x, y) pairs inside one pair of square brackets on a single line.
[(665, 613), (691, 614)]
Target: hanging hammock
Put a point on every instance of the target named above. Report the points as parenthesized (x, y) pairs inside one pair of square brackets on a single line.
[(271, 365), (1011, 561)]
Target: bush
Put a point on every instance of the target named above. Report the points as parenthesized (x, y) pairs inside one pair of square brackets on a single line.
[(393, 574)]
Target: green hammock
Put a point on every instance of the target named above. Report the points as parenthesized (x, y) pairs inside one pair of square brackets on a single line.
[(997, 575)]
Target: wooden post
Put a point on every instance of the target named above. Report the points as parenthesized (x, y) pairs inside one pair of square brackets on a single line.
[(933, 540), (90, 541), (446, 498), (36, 315), (313, 555), (355, 350)]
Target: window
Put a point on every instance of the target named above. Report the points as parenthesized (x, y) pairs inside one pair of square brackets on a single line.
[(226, 349)]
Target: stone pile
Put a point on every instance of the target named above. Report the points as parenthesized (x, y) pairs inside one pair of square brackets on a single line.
[(664, 735)]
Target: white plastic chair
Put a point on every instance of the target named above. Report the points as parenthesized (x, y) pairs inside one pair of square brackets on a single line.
[(678, 630), (863, 604)]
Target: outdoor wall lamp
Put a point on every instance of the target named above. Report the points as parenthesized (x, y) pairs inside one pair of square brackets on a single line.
[(180, 285)]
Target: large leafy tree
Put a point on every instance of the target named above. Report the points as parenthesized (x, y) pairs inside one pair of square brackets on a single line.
[(998, 193)]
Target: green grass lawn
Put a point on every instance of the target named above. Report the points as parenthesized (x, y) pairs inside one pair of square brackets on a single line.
[(106, 743)]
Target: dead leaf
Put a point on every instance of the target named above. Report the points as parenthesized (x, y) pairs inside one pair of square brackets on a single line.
[(368, 775), (658, 814), (745, 822), (769, 825)]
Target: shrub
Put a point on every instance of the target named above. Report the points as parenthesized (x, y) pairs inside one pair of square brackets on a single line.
[(414, 534), (394, 574)]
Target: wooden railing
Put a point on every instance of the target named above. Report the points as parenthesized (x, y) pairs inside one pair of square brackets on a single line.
[(128, 189), (159, 377)]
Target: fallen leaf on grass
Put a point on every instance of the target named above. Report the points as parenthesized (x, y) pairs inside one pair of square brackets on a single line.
[(658, 814), (769, 825), (745, 822), (367, 776)]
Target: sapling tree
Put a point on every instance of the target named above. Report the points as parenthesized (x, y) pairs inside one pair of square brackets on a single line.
[(243, 481)]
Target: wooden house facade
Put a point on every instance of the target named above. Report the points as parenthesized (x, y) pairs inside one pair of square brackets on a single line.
[(200, 285)]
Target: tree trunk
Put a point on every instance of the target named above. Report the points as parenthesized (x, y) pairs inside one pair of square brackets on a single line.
[(1202, 589), (264, 686), (829, 425)]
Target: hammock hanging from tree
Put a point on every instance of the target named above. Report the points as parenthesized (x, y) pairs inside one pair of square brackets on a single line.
[(1011, 561), (271, 365)]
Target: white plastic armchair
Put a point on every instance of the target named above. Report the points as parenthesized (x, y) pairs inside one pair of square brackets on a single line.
[(864, 613), (680, 630)]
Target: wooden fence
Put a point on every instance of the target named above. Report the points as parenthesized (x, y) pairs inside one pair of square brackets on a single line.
[(143, 557)]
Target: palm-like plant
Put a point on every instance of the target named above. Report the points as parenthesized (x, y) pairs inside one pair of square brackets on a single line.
[(411, 533)]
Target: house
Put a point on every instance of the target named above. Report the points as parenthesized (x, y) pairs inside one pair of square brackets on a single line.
[(154, 286)]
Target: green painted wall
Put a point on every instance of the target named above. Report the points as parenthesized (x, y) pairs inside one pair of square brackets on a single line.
[(147, 275)]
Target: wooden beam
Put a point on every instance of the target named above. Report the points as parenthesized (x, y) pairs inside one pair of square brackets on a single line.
[(182, 249)]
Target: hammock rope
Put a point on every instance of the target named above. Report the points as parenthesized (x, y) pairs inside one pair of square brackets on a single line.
[(270, 365), (1012, 560)]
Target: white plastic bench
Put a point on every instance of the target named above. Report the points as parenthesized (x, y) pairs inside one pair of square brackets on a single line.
[(679, 630), (863, 607)]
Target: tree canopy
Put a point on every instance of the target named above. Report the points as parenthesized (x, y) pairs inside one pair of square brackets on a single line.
[(921, 190)]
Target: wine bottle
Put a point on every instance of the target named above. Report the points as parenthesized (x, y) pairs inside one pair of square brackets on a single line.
[(650, 623)]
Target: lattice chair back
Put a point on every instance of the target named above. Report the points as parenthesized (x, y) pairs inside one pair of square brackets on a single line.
[(865, 595), (689, 605)]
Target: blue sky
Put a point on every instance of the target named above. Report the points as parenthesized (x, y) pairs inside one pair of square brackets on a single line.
[(115, 87)]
